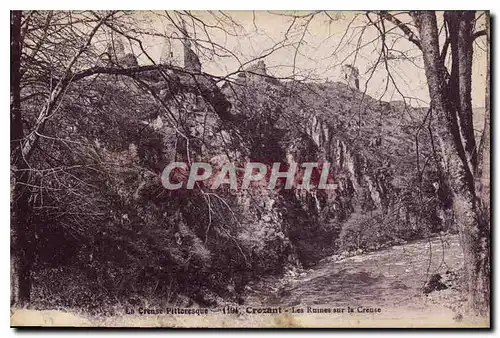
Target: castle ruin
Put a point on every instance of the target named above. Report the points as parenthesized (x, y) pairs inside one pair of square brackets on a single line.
[(350, 75)]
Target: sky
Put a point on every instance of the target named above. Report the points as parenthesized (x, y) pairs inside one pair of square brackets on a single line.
[(315, 48)]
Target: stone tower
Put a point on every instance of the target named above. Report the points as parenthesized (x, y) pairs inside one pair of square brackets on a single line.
[(255, 72), (350, 75), (258, 69), (116, 49), (117, 55), (167, 53), (191, 60)]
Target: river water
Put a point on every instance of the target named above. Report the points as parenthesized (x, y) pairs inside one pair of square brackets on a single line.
[(389, 279)]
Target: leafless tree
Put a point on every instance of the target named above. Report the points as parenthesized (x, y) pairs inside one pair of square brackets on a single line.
[(51, 52), (447, 50)]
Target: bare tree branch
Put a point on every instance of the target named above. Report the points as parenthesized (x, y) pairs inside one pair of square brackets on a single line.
[(406, 30)]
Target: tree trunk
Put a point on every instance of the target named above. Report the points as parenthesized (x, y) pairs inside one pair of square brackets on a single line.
[(483, 172), (460, 25), (21, 245), (484, 162), (470, 218)]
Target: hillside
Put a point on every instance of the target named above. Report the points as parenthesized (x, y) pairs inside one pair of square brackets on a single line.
[(142, 243)]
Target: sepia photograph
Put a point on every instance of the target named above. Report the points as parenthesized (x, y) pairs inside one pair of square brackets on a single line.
[(250, 169)]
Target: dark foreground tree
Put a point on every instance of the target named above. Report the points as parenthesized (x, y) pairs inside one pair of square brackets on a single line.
[(450, 94)]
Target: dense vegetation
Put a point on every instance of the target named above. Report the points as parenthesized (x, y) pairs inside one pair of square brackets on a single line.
[(110, 234)]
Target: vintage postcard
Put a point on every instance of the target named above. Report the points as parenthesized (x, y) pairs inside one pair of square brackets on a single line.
[(250, 169)]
